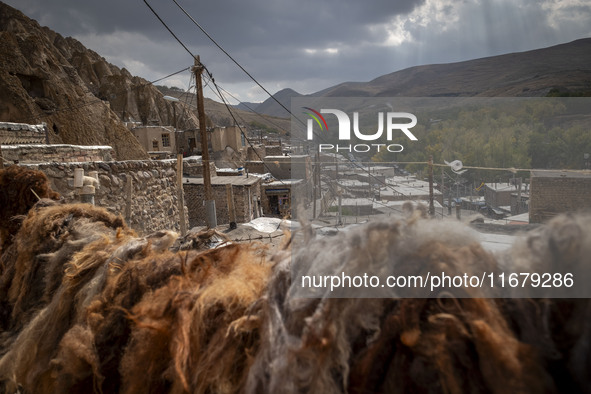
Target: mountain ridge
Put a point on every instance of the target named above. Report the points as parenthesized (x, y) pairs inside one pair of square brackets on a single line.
[(83, 99), (534, 73)]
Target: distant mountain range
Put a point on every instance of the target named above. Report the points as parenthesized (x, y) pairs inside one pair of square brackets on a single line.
[(564, 68)]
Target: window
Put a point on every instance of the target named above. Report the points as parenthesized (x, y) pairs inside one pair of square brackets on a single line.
[(165, 140), (155, 145)]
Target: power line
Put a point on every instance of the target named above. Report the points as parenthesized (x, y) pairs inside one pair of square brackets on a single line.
[(243, 69), (227, 54), (239, 127), (169, 29), (252, 110), (220, 95), (208, 80), (223, 50)]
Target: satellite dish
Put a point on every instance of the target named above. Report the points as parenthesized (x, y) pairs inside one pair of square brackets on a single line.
[(456, 166)]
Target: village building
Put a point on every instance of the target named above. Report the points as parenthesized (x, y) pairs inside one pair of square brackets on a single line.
[(223, 137), (497, 195), (280, 195), (156, 138), (164, 142), (555, 192), (407, 188), (289, 167), (236, 197)]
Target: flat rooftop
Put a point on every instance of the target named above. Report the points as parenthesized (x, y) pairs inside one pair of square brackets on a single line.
[(224, 180), (503, 187), (561, 174), (284, 182)]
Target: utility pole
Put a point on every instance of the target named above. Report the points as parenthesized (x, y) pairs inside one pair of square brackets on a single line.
[(518, 207), (177, 139), (370, 197), (431, 205), (210, 213), (180, 195)]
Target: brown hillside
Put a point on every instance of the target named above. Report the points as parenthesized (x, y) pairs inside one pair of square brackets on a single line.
[(566, 67), (84, 100)]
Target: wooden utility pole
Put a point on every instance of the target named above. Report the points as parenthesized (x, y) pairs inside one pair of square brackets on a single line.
[(180, 195), (369, 181), (210, 213), (431, 204), (177, 139), (518, 207), (442, 191)]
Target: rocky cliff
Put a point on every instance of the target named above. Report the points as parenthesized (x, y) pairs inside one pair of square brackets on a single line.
[(84, 100)]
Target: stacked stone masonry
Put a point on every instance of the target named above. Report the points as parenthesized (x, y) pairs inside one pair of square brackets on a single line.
[(154, 203), (553, 194), (273, 150), (14, 133), (195, 196), (60, 153), (256, 167)]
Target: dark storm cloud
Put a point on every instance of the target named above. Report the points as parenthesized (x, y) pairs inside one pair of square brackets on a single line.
[(309, 45), (235, 22)]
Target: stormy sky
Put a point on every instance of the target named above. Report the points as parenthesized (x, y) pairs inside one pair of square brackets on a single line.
[(307, 45)]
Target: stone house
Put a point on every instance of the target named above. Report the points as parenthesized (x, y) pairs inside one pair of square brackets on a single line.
[(156, 138), (498, 194), (245, 192), (278, 196), (222, 137), (289, 167), (555, 192)]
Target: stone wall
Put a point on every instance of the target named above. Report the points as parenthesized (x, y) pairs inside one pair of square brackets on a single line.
[(194, 168), (22, 133), (288, 167), (273, 150), (256, 153), (59, 153), (498, 198), (195, 196), (154, 195), (256, 167), (558, 192)]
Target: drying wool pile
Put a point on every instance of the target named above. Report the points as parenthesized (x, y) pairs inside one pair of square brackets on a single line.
[(89, 306), (20, 189), (86, 305), (443, 345)]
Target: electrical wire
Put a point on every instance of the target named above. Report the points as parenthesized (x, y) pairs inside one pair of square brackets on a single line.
[(252, 110), (240, 127), (230, 56), (265, 90), (169, 29), (238, 64)]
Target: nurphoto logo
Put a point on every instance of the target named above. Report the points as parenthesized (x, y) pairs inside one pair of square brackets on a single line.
[(392, 120)]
